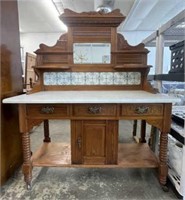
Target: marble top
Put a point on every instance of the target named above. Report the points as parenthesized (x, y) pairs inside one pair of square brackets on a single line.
[(134, 96)]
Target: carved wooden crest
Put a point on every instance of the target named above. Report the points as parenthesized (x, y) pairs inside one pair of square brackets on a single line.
[(71, 18)]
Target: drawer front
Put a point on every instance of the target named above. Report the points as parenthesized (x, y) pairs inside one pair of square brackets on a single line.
[(141, 109), (94, 110), (48, 111)]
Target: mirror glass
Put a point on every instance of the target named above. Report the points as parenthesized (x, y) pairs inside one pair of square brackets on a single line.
[(92, 53)]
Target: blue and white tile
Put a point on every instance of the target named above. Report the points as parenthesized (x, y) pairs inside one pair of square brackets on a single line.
[(64, 78), (120, 78), (92, 78), (78, 78), (106, 78), (50, 78), (133, 78)]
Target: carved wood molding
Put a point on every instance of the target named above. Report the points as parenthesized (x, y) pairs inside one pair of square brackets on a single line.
[(122, 44), (68, 12), (149, 88), (112, 19), (60, 46), (32, 123), (146, 84), (158, 123)]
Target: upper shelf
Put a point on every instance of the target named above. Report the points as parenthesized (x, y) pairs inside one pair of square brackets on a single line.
[(131, 66), (60, 67), (117, 67)]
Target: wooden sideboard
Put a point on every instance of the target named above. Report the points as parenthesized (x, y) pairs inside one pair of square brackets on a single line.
[(94, 93)]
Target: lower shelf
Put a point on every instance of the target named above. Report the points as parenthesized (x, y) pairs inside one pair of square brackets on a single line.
[(129, 156), (136, 155)]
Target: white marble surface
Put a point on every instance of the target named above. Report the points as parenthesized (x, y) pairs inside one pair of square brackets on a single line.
[(135, 96)]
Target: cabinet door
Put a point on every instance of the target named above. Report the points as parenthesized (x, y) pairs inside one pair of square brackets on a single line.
[(94, 141)]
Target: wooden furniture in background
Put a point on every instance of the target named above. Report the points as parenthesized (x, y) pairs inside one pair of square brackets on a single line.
[(30, 76), (11, 85)]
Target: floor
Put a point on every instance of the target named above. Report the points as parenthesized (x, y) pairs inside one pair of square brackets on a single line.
[(85, 184)]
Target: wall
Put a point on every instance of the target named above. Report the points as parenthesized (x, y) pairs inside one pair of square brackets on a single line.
[(30, 42), (135, 37)]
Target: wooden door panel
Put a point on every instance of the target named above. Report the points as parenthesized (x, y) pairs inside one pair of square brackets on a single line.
[(94, 142)]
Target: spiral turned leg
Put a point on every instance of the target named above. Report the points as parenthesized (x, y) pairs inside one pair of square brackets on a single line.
[(163, 168), (27, 166)]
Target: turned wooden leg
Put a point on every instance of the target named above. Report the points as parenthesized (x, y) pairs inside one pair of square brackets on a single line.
[(46, 131), (134, 128), (163, 168), (27, 166), (143, 131), (154, 138)]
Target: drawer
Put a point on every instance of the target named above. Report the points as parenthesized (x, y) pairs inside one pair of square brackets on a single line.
[(48, 111), (94, 110), (142, 109)]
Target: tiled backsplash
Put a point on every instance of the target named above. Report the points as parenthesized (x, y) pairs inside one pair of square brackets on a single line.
[(92, 78)]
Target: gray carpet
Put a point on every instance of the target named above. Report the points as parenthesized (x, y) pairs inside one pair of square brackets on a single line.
[(84, 184)]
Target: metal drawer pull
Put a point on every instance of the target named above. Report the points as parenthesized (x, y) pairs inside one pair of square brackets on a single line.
[(141, 109), (94, 109), (47, 110)]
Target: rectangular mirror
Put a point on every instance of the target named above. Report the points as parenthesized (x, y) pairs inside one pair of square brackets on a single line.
[(92, 53)]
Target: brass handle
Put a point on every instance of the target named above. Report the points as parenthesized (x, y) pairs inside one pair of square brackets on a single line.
[(142, 109), (47, 110), (94, 109), (79, 142)]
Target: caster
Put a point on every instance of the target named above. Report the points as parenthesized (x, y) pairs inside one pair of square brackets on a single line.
[(165, 188), (28, 186)]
